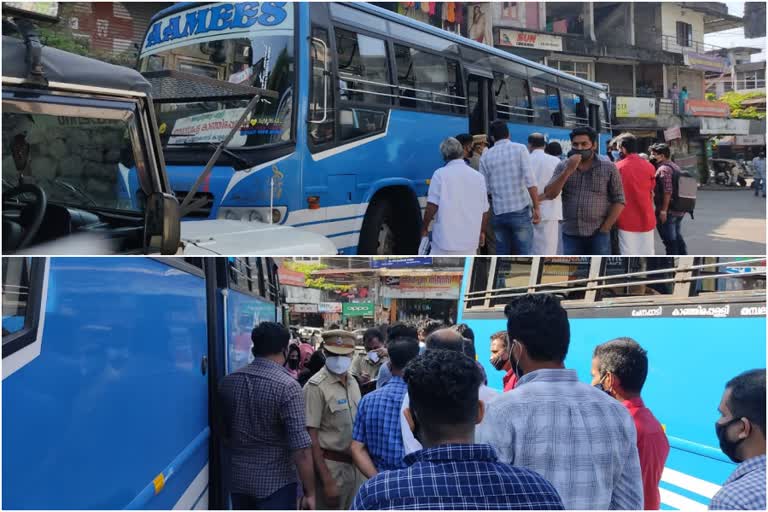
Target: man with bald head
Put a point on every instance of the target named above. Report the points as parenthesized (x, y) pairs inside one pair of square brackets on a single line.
[(443, 339), (546, 234)]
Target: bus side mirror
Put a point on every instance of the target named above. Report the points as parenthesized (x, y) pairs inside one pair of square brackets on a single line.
[(162, 225)]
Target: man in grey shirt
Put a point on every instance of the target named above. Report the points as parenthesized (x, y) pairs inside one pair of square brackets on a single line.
[(574, 435)]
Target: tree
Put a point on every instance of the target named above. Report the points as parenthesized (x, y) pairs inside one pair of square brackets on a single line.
[(735, 100)]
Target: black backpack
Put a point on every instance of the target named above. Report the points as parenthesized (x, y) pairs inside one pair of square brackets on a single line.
[(684, 189)]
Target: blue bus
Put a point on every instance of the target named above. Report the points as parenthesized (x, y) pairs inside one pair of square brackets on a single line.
[(702, 321), (359, 100), (110, 367)]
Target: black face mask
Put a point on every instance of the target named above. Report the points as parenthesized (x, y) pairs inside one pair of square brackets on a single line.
[(586, 154), (499, 363), (293, 364), (727, 446), (600, 386)]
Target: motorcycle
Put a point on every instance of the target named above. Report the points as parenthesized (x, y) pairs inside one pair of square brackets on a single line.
[(729, 173)]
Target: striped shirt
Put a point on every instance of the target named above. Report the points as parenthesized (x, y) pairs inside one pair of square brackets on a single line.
[(575, 436), (508, 176), (457, 477)]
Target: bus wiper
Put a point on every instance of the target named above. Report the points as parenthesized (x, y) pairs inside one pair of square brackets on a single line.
[(186, 205), (72, 188), (241, 160)]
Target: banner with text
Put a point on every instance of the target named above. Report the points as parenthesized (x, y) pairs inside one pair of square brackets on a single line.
[(635, 107)]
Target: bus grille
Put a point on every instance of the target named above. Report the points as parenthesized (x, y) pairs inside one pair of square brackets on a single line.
[(202, 212)]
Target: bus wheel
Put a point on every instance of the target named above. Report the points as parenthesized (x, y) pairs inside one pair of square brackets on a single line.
[(378, 234)]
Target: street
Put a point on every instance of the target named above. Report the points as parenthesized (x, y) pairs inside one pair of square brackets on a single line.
[(727, 222)]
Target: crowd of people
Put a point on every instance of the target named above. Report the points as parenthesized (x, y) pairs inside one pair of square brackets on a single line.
[(430, 434), (511, 199)]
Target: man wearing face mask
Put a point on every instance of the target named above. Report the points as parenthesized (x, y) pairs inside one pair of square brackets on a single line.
[(500, 359), (331, 397), (452, 471), (575, 436), (365, 367), (592, 196), (619, 367), (741, 432)]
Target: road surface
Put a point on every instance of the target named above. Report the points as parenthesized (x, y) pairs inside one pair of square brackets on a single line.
[(728, 222)]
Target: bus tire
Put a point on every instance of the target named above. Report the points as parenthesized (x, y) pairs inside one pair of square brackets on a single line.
[(387, 230)]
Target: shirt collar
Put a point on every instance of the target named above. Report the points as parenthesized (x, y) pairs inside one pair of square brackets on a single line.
[(634, 403), (502, 141), (396, 379), (453, 453), (456, 162), (548, 375), (746, 467)]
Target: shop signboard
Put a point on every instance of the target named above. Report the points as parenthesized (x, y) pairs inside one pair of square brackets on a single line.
[(430, 282), (644, 108), (703, 108), (304, 308), (329, 307), (290, 277), (295, 295), (704, 62), (717, 126), (400, 262), (530, 40), (350, 309), (750, 140)]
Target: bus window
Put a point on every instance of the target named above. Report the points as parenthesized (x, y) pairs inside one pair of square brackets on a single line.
[(732, 274), (574, 111), (480, 269), (321, 112), (546, 104), (637, 268), (553, 104), (511, 273), (428, 80), (16, 278), (363, 68), (261, 57), (557, 272), (605, 119), (512, 98)]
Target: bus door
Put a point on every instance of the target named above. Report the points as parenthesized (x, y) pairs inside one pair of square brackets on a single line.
[(479, 103)]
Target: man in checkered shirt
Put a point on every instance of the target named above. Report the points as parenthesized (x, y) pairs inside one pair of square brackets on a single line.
[(574, 435), (512, 187), (265, 428), (377, 443), (452, 472), (741, 432), (592, 194)]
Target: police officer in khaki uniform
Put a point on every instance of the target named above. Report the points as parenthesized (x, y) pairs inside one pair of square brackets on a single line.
[(365, 366), (331, 397)]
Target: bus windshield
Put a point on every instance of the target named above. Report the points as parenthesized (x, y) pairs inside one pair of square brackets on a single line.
[(206, 63)]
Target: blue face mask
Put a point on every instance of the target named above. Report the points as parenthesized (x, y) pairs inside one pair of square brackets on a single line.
[(616, 154)]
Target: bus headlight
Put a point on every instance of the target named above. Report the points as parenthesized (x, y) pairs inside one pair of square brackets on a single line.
[(263, 214)]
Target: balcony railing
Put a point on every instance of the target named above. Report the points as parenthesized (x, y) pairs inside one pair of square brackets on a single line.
[(672, 44)]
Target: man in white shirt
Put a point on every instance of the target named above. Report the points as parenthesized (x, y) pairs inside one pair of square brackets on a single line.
[(443, 339), (546, 234), (458, 202)]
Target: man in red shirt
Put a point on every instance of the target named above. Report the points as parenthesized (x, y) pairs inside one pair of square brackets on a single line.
[(637, 221), (619, 367), (500, 358)]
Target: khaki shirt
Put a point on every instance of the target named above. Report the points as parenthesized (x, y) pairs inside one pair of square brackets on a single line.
[(361, 365), (331, 409)]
